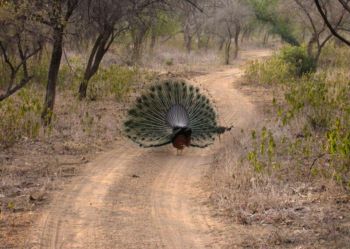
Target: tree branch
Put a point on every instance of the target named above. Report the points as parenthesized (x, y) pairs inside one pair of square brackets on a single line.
[(329, 25), (16, 88)]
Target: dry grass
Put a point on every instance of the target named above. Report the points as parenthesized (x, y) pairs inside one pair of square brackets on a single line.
[(33, 169), (277, 209)]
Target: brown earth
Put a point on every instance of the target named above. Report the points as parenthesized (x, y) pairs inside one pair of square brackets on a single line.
[(135, 198)]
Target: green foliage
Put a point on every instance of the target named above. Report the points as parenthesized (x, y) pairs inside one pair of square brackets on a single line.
[(334, 57), (165, 24), (298, 60), (316, 112), (263, 152), (266, 11), (282, 68), (169, 62), (273, 71), (114, 80), (20, 117), (40, 69)]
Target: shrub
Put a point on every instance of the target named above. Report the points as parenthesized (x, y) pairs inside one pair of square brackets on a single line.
[(284, 67), (299, 61), (334, 57), (312, 134), (20, 116), (272, 71), (169, 62), (114, 80)]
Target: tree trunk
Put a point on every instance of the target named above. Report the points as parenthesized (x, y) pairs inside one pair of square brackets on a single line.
[(207, 42), (237, 33), (138, 38), (221, 44), (154, 32), (153, 42), (227, 51), (54, 68), (188, 42), (98, 51), (266, 38), (310, 46), (199, 40)]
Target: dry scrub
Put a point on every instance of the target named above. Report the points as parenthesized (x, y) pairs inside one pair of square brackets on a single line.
[(270, 182)]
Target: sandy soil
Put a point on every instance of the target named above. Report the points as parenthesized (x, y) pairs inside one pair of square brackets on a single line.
[(136, 198)]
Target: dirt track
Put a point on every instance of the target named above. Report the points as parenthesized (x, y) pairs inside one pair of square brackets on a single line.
[(136, 198)]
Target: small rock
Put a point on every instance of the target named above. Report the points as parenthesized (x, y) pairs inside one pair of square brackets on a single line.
[(37, 196)]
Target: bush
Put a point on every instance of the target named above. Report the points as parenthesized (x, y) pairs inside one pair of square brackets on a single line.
[(282, 68), (334, 57), (114, 80), (20, 116), (299, 61), (311, 135), (270, 72)]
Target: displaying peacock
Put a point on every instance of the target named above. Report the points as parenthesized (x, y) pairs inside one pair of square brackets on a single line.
[(172, 111)]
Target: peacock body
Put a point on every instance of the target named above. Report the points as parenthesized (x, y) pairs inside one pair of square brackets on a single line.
[(172, 111)]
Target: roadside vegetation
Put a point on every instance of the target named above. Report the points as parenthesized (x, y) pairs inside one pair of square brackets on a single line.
[(314, 109), (287, 179)]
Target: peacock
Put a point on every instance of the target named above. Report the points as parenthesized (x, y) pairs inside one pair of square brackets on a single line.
[(175, 112)]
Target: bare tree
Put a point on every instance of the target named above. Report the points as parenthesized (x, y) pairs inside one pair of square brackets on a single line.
[(227, 23), (109, 19), (322, 9), (320, 34), (106, 21), (190, 22), (57, 16), (18, 44)]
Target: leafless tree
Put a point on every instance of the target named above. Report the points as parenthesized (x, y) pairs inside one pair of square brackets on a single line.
[(320, 34), (18, 44), (57, 15), (228, 20), (190, 22), (105, 20), (108, 19), (323, 10)]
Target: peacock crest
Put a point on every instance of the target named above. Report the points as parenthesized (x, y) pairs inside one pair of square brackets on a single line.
[(172, 111)]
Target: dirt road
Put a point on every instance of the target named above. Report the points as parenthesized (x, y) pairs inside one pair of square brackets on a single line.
[(137, 198)]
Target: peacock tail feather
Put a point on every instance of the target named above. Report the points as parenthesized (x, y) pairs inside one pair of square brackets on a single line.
[(167, 107)]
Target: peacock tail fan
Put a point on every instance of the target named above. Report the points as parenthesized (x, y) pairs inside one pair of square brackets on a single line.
[(167, 106)]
